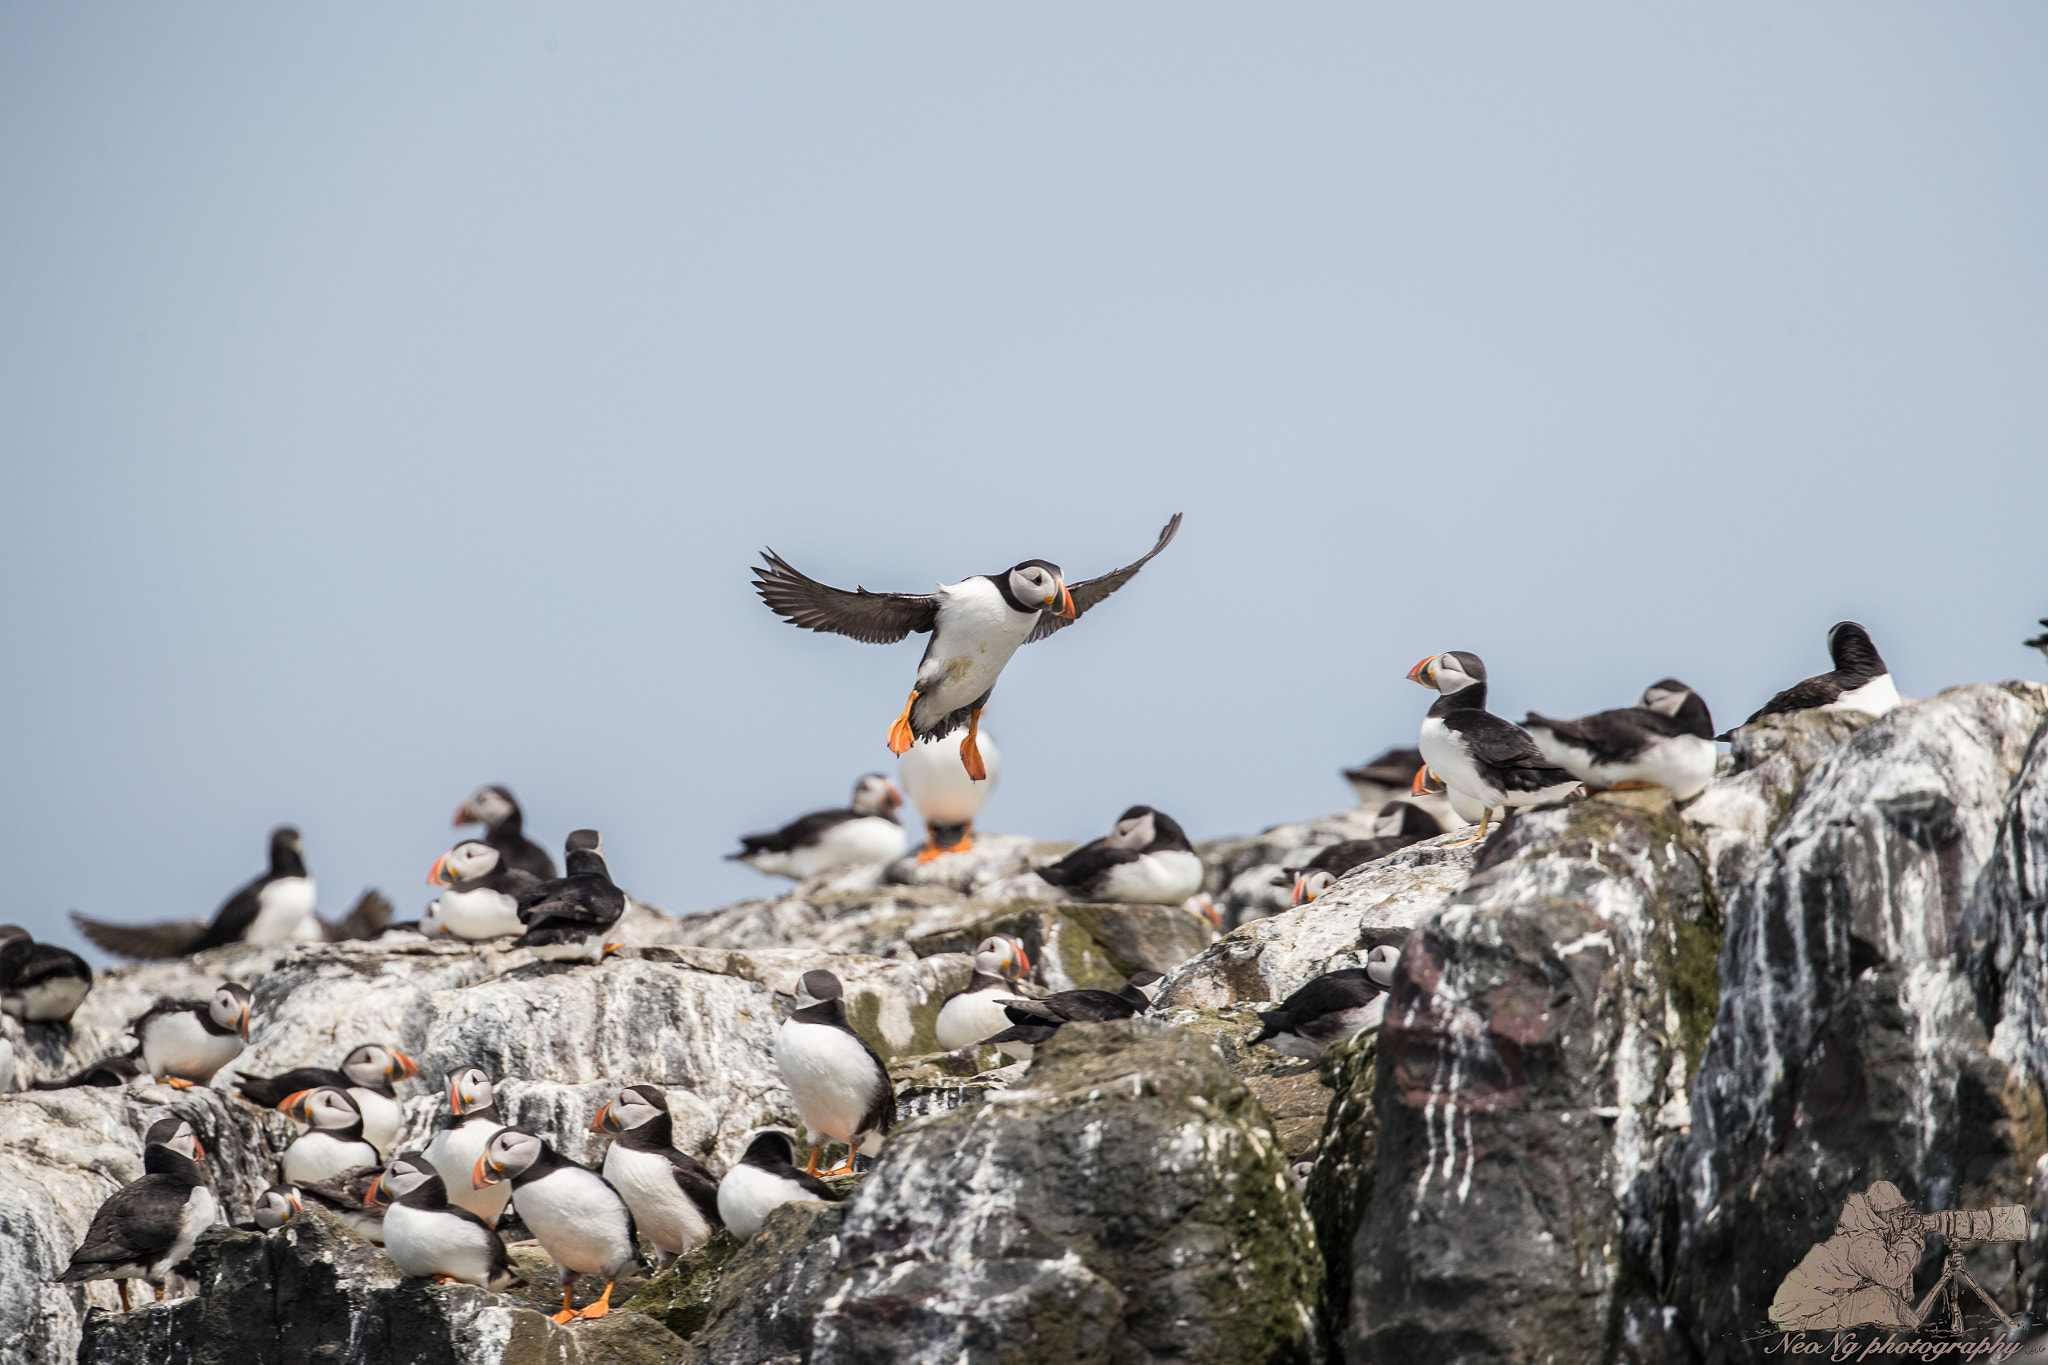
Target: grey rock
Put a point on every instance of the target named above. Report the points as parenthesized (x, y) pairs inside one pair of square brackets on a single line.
[(762, 1311)]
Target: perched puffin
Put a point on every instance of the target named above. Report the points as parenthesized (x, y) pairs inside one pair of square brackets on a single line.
[(976, 1013), (346, 1196), (944, 794), (975, 625), (2040, 641), (40, 983), (568, 919), (1860, 681), (1490, 760), (186, 1041), (1398, 824), (427, 1236), (105, 1073), (1330, 1008), (763, 1180), (840, 1087), (1145, 860), (1665, 740), (504, 830), (482, 896), (151, 1224), (369, 1074), (1034, 1021), (1384, 777), (578, 1218), (864, 832), (277, 907), (275, 1207), (453, 1150), (674, 1200), (333, 1141)]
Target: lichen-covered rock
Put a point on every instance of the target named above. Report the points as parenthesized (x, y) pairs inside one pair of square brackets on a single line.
[(681, 1297), (762, 1311), (1340, 1185)]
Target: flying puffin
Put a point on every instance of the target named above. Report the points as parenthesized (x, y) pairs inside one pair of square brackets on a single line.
[(1665, 740), (568, 919), (504, 830), (1860, 681), (1398, 824), (764, 1179), (864, 832), (483, 893), (333, 1141), (674, 1200), (975, 625), (1330, 1008), (1490, 760), (346, 1196), (840, 1087), (425, 1235), (2040, 641), (151, 1224), (369, 1074), (1145, 860), (185, 1041), (275, 1207), (40, 983), (976, 1013), (1032, 1022), (944, 794), (578, 1218), (453, 1150)]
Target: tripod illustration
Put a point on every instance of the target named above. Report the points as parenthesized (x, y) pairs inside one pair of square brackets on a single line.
[(1953, 1278)]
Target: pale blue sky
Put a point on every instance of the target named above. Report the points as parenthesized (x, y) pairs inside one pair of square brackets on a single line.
[(392, 399)]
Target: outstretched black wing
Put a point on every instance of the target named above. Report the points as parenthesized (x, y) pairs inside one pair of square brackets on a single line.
[(149, 942), (876, 618), (1091, 591)]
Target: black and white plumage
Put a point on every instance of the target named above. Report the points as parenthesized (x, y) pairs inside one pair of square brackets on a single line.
[(151, 1224), (840, 1086), (570, 919), (1032, 1022), (1491, 761), (1859, 681), (40, 983), (1384, 777), (1331, 1008), (2040, 641), (106, 1073), (862, 832), (482, 896), (333, 1141), (505, 830), (1398, 824), (578, 1218), (427, 1236), (186, 1041), (674, 1199), (1665, 740), (346, 1196), (1145, 860), (976, 1013), (944, 794), (370, 1074), (275, 1207), (764, 1179), (975, 625), (474, 1119)]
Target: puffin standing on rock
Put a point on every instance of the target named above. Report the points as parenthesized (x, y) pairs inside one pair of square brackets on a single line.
[(840, 1087), (1665, 740), (976, 1013), (333, 1142), (453, 1151), (151, 1224), (1399, 824), (483, 892), (425, 1235), (1331, 1008), (1492, 761), (763, 1180), (674, 1200), (369, 1075), (944, 794), (975, 625), (505, 830), (40, 983), (185, 1041), (1145, 860), (568, 919), (1032, 1022), (1860, 681), (277, 907), (579, 1219), (865, 831)]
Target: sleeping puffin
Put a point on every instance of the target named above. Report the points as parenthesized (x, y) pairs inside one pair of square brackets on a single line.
[(185, 1041), (40, 983), (1860, 681), (275, 908), (976, 1013), (425, 1235), (569, 919), (763, 1180), (673, 1198), (333, 1142), (1665, 740), (944, 794), (864, 832), (369, 1074), (151, 1224), (1492, 761), (975, 625), (840, 1087), (482, 896), (346, 1196), (1145, 860), (453, 1150), (275, 1207), (1399, 824), (1032, 1022), (505, 830), (1331, 1008), (577, 1217)]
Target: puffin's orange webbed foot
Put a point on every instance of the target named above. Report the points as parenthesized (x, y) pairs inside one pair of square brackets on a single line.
[(603, 1304), (900, 735), (970, 751), (178, 1082)]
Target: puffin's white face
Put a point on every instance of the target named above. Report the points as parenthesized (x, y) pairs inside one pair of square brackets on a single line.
[(184, 1142), (229, 1008), (1387, 824), (1665, 701), (1134, 833), (469, 1089), (400, 1178), (875, 794), (277, 1206), (1380, 964), (488, 808), (633, 1110), (510, 1152), (1444, 673), (1037, 585), (1147, 984), (372, 1064), (1311, 885), (998, 955), (326, 1108), (464, 862)]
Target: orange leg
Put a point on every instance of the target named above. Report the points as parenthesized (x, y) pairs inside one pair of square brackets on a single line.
[(812, 1168), (445, 1279), (900, 736), (847, 1169), (608, 950), (970, 752), (568, 1292), (122, 1285), (931, 847), (1633, 787), (178, 1082), (603, 1304)]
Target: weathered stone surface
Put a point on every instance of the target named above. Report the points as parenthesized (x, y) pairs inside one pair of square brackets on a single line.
[(1242, 873), (761, 1314), (1290, 1090), (1076, 947), (1340, 1185), (680, 1298)]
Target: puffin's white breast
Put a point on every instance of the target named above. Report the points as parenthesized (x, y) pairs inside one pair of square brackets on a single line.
[(939, 786), (453, 1153), (318, 1156), (435, 1242), (975, 636), (850, 843), (284, 913), (645, 1180), (1873, 698), (1445, 754), (579, 1219), (383, 1119), (1163, 877), (178, 1045), (830, 1076), (478, 914), (749, 1194), (971, 1017)]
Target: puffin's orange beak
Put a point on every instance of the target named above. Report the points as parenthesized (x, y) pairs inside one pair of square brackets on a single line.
[(198, 1149), (603, 1122), (434, 877), (1420, 786), (1299, 884), (1423, 673), (1066, 607), (454, 1098), (242, 1024), (294, 1104), (373, 1197), (895, 796), (407, 1067), (1023, 957), (463, 817), (295, 1201), (481, 1177)]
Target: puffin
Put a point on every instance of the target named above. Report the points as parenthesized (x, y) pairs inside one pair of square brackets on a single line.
[(277, 907), (346, 1196), (674, 1200), (1491, 761), (185, 1041), (333, 1142), (453, 1150), (427, 1236), (275, 1207), (840, 1087), (40, 983), (1398, 824), (1387, 775), (1145, 860), (1032, 1022), (1665, 740), (976, 1013), (944, 794), (482, 896), (106, 1073), (578, 1218), (2040, 641), (151, 1224), (1331, 1008), (568, 919), (864, 832), (975, 625), (762, 1180), (504, 830), (1860, 681), (369, 1074)]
